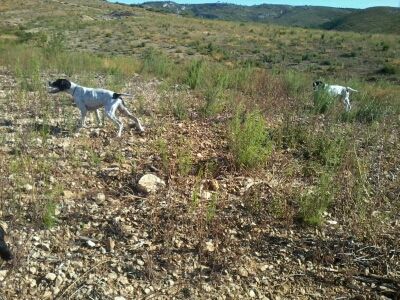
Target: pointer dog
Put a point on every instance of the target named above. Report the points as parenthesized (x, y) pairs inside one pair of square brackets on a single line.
[(90, 99), (336, 90)]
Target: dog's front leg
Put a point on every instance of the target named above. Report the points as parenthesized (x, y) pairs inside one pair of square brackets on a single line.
[(83, 118), (98, 119)]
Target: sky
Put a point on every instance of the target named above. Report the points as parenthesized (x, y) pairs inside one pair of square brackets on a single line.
[(332, 3)]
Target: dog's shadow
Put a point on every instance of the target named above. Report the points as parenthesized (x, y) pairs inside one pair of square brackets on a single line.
[(48, 129)]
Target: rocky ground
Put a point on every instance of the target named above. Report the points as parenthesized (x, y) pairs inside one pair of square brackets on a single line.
[(82, 227)]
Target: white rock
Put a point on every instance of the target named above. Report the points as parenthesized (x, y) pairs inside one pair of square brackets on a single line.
[(243, 272), (252, 294), (91, 244), (150, 183), (119, 298), (3, 274), (100, 198), (51, 276), (140, 262), (28, 187), (68, 195), (210, 246)]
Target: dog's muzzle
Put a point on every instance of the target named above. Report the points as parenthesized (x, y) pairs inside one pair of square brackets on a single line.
[(51, 89)]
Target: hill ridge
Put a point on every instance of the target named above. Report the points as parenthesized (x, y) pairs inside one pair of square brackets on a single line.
[(305, 16)]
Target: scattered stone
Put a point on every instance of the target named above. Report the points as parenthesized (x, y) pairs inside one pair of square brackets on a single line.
[(100, 198), (243, 272), (110, 244), (51, 276), (28, 187), (214, 186), (140, 262), (68, 195), (3, 274), (150, 183), (210, 246), (90, 244)]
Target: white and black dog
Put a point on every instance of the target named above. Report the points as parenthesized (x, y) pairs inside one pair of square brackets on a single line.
[(90, 99), (336, 90)]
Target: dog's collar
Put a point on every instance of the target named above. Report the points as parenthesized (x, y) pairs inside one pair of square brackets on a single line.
[(74, 91)]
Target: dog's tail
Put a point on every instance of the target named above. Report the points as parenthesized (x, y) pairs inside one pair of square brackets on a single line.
[(117, 95), (5, 253), (349, 89)]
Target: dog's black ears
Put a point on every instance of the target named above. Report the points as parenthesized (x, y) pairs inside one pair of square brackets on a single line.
[(61, 84), (65, 84), (317, 83)]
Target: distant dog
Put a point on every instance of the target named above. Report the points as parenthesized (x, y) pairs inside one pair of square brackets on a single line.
[(5, 252), (90, 99), (336, 90)]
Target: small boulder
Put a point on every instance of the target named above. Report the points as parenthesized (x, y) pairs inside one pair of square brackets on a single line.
[(150, 183)]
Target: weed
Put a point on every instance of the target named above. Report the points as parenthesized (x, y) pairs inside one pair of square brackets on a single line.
[(179, 108), (248, 140), (389, 69), (49, 213), (212, 207), (162, 149), (195, 73), (316, 201), (155, 62), (322, 101), (184, 160), (296, 83)]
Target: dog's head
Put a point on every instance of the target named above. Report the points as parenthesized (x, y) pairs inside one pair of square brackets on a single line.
[(59, 85), (317, 84)]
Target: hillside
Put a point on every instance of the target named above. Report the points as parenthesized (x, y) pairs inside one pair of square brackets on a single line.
[(266, 189), (301, 16), (373, 20)]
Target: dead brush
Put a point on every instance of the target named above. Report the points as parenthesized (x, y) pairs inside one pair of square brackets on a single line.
[(267, 93)]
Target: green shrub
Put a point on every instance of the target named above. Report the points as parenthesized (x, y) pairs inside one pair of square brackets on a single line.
[(195, 73), (249, 142), (369, 110), (389, 69), (184, 160), (316, 201), (296, 84), (322, 101), (158, 64), (180, 109), (49, 214)]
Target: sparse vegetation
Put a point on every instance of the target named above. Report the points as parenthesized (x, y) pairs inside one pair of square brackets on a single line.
[(249, 140)]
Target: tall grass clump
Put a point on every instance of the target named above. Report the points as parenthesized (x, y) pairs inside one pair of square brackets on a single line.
[(195, 73), (248, 140), (322, 101), (296, 84), (316, 201), (158, 64)]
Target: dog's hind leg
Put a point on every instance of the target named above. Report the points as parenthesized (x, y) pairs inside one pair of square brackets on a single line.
[(127, 113), (110, 112), (346, 101)]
